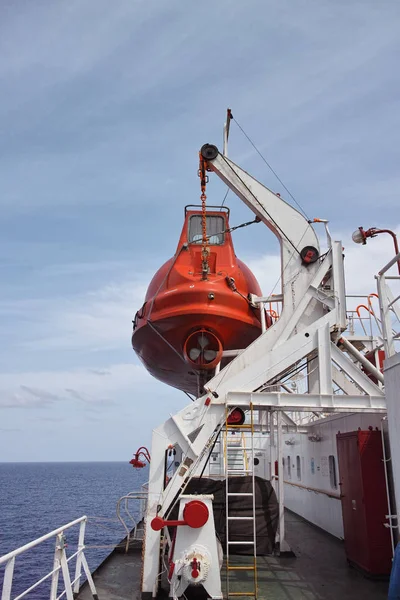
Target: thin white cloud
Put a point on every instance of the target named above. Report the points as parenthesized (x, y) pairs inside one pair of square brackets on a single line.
[(97, 321), (39, 389)]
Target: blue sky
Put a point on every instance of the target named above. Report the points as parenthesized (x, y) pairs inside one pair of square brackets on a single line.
[(104, 106)]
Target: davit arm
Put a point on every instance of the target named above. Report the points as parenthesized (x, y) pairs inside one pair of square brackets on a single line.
[(295, 234)]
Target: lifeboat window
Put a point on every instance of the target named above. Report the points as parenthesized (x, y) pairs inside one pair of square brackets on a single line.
[(215, 226)]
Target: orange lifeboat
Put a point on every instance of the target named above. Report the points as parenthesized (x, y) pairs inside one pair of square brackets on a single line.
[(190, 317)]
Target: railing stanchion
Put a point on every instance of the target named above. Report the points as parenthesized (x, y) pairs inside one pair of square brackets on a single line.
[(81, 546), (56, 572), (8, 579)]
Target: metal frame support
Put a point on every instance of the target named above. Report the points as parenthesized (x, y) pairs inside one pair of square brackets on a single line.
[(79, 558), (310, 325), (283, 545)]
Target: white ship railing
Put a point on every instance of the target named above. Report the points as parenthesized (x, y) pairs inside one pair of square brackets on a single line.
[(133, 532), (389, 307), (61, 563)]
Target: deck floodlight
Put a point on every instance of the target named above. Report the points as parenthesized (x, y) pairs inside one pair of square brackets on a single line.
[(360, 237)]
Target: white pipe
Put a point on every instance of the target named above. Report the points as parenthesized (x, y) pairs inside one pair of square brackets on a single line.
[(394, 260), (262, 318), (361, 358), (385, 460), (280, 481)]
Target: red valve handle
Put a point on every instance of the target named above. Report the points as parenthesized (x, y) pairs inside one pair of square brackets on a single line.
[(195, 515), (195, 568), (158, 523)]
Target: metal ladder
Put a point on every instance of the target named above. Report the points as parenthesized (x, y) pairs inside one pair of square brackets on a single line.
[(248, 469)]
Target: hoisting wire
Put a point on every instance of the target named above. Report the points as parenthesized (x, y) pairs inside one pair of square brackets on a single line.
[(149, 322), (225, 197), (271, 169), (256, 220), (283, 234)]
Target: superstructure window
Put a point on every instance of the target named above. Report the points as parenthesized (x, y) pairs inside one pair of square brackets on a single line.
[(332, 472), (288, 468), (214, 224), (298, 467)]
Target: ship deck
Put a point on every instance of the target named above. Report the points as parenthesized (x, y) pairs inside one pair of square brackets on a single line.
[(318, 572)]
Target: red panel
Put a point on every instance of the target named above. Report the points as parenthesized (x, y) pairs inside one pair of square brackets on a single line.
[(364, 502)]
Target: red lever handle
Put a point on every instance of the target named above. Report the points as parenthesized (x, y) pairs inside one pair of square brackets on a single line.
[(195, 515), (158, 523), (195, 568)]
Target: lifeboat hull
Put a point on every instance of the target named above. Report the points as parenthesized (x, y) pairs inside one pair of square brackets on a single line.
[(187, 321)]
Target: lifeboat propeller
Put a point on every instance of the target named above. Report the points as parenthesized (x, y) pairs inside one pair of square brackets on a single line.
[(202, 349)]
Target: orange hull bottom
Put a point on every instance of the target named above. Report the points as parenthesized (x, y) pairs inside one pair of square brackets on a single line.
[(159, 346)]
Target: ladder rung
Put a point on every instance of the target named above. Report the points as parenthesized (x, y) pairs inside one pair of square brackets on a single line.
[(240, 518), (242, 594), (240, 494), (241, 568), (245, 426), (239, 471), (242, 543)]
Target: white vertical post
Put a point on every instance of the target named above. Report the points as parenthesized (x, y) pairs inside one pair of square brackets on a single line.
[(64, 567), (280, 480), (253, 489), (89, 577), (272, 448), (262, 318), (385, 316), (81, 546), (226, 132), (8, 579), (324, 359)]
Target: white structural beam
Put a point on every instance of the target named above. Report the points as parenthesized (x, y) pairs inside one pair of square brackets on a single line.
[(324, 359), (308, 402), (346, 385), (288, 224), (282, 344), (354, 372), (193, 428)]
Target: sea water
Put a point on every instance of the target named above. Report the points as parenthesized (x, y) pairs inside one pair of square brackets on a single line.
[(36, 498)]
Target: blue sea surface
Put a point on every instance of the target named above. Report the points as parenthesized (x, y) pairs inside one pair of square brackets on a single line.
[(36, 498)]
